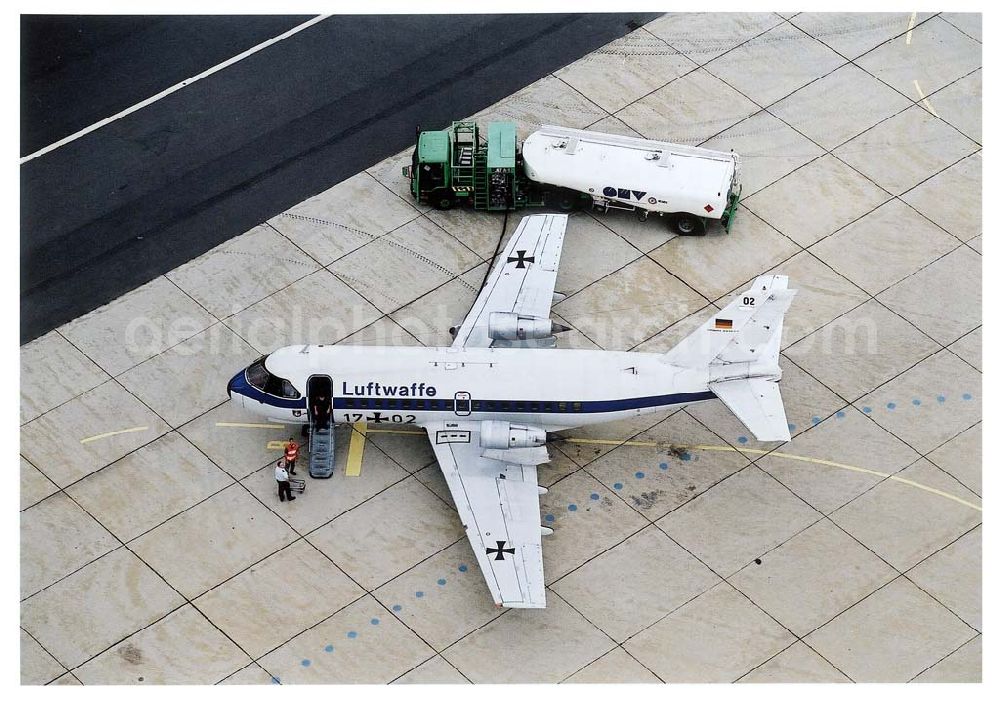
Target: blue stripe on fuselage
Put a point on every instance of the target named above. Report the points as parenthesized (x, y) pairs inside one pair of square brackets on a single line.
[(480, 405), (239, 384)]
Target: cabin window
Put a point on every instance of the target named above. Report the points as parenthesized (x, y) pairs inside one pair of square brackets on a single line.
[(577, 407), (562, 407)]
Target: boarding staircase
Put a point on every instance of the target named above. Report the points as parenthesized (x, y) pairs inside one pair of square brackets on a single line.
[(320, 451)]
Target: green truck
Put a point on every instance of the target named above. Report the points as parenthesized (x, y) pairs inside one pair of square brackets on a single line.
[(457, 166), (566, 168)]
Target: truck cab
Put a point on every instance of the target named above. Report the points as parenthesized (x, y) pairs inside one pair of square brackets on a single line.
[(430, 170), (457, 166)]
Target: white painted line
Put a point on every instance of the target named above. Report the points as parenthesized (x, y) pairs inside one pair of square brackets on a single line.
[(909, 29), (923, 99), (177, 87)]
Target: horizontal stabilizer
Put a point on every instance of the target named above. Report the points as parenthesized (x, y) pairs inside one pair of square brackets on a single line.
[(757, 403)]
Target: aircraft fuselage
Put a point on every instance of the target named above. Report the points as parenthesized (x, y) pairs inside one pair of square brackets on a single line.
[(549, 388)]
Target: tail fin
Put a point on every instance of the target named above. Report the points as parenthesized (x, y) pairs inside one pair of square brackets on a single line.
[(739, 347)]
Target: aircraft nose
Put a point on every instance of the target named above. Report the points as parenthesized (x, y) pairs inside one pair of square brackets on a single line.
[(229, 386)]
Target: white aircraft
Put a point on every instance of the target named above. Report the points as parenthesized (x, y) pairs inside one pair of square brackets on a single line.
[(489, 400)]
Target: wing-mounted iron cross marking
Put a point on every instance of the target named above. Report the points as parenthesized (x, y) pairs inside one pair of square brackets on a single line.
[(500, 550), (521, 259)]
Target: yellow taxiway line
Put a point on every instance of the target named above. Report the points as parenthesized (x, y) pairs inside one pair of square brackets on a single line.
[(356, 451), (784, 455), (92, 438), (273, 426), (360, 432)]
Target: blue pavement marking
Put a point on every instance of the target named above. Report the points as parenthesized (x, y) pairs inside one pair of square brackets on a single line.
[(891, 405)]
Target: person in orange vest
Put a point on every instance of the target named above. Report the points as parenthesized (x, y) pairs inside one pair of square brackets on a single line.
[(291, 455)]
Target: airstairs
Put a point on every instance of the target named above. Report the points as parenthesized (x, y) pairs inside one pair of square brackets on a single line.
[(320, 451)]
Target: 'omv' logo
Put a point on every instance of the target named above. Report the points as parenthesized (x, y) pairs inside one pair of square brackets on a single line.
[(619, 193)]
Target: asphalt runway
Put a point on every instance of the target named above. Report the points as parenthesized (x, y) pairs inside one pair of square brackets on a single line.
[(128, 202), (76, 71)]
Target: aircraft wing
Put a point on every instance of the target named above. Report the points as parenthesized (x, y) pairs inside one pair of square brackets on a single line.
[(523, 280), (497, 500)]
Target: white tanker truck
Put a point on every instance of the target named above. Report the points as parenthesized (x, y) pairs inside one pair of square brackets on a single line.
[(569, 169)]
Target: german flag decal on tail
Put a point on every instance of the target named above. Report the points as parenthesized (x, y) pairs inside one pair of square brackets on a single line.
[(723, 324)]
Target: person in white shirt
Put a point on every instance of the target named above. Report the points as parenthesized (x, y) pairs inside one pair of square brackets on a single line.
[(281, 477)]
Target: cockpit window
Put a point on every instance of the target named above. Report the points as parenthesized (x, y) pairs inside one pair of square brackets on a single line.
[(257, 375), (262, 379)]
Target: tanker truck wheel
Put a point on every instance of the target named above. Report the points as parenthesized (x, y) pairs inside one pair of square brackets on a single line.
[(566, 200), (687, 224), (443, 199)]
